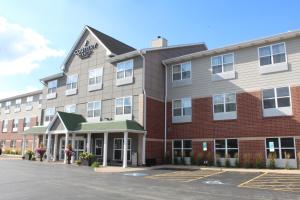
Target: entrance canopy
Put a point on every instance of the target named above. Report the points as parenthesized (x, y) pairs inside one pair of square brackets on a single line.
[(74, 123)]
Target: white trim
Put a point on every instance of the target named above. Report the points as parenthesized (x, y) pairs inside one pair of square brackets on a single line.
[(188, 80), (93, 118), (129, 149), (223, 75), (125, 80), (51, 95), (224, 115), (182, 118), (52, 122), (100, 139), (120, 117)]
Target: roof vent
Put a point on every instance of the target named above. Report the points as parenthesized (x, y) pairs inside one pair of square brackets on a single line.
[(159, 42)]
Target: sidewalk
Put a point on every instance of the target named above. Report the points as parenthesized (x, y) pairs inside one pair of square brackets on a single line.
[(10, 157)]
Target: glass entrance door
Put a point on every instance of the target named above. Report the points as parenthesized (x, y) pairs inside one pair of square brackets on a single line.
[(78, 148)]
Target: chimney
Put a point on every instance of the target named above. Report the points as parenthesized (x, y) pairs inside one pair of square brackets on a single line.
[(159, 42)]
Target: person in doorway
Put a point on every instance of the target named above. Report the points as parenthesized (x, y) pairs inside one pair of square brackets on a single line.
[(69, 153)]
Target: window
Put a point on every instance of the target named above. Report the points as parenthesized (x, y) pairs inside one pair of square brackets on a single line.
[(29, 101), (15, 125), (272, 54), (182, 148), (40, 99), (13, 144), (5, 124), (72, 81), (181, 71), (222, 63), (125, 69), (276, 97), (18, 104), (118, 149), (226, 148), (95, 76), (182, 107), (224, 103), (26, 122), (2, 143), (7, 105), (52, 85), (123, 106), (70, 108), (94, 109), (281, 148), (98, 146), (49, 114), (276, 102)]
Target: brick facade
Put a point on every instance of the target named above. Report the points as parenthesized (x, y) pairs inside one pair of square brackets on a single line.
[(250, 123)]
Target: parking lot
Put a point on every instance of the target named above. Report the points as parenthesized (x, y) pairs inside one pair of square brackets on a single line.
[(34, 180)]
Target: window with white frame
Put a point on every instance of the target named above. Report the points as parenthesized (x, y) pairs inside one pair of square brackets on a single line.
[(94, 109), (123, 106), (98, 146), (5, 125), (52, 86), (118, 149), (181, 71), (125, 69), (26, 122), (29, 101), (182, 107), (15, 124), (18, 104), (182, 148), (281, 148), (95, 76), (72, 81), (2, 143), (276, 97), (272, 54), (222, 63), (7, 105), (224, 103), (49, 114), (40, 99), (13, 144), (226, 148), (70, 108)]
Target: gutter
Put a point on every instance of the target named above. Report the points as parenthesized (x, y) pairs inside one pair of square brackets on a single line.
[(166, 104)]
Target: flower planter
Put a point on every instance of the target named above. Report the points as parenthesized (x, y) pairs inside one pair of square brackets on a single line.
[(28, 156), (86, 162)]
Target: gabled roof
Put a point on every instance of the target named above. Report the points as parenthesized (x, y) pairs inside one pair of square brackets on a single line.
[(71, 120), (113, 46)]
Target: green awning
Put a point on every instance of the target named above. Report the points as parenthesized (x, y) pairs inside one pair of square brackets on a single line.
[(110, 126), (71, 120), (36, 130)]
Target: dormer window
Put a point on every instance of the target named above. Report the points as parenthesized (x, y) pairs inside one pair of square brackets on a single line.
[(72, 81), (125, 72)]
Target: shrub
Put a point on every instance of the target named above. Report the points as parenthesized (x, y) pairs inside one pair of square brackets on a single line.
[(78, 162), (33, 159), (287, 156), (86, 156), (259, 161), (199, 159), (237, 160), (95, 164), (272, 164), (227, 162)]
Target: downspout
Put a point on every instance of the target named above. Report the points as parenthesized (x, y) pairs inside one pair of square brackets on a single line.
[(144, 92), (166, 104)]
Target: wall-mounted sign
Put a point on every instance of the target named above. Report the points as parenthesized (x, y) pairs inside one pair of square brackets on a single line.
[(271, 147), (85, 51), (204, 146)]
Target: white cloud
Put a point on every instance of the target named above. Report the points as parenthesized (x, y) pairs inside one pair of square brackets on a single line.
[(11, 93), (22, 49)]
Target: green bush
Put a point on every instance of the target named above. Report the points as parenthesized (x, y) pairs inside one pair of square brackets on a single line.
[(86, 156), (78, 162), (272, 164), (95, 164)]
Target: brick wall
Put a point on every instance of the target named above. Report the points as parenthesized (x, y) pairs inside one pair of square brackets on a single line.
[(250, 150), (33, 121), (155, 150), (10, 126), (21, 126), (249, 122), (155, 119)]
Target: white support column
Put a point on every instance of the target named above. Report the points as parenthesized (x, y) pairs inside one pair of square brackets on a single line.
[(23, 145), (66, 144), (144, 150), (55, 147), (48, 147), (125, 149), (44, 140), (33, 143), (88, 144), (73, 145), (105, 149)]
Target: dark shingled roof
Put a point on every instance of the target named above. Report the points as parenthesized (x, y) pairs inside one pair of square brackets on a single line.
[(115, 46), (71, 120)]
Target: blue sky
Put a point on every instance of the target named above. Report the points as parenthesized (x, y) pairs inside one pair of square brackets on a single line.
[(37, 35)]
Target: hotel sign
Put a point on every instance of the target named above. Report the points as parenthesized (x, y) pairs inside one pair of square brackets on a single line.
[(86, 50)]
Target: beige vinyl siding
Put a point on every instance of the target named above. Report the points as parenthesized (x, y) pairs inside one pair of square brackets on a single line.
[(248, 77)]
